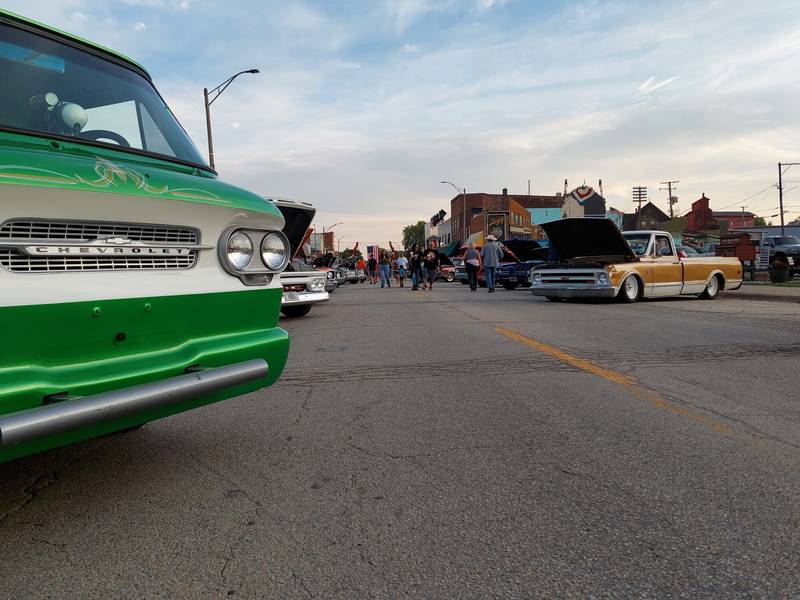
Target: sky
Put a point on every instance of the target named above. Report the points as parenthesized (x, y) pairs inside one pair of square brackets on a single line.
[(364, 107)]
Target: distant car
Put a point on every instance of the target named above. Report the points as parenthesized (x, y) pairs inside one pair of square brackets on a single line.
[(447, 272), (687, 252), (785, 248), (524, 255)]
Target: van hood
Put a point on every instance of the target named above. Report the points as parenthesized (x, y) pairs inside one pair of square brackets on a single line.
[(578, 238), (298, 216)]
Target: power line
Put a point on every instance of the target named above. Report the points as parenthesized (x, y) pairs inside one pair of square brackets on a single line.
[(769, 187)]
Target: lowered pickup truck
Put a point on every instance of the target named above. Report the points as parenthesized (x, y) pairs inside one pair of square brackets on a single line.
[(596, 260)]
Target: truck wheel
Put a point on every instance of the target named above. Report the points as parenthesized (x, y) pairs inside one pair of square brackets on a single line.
[(296, 311), (451, 277), (510, 286), (712, 288), (630, 290)]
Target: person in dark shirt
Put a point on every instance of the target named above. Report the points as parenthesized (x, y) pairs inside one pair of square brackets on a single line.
[(431, 265), (415, 260), (372, 269)]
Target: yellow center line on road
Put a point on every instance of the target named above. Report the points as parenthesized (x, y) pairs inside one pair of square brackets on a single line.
[(630, 383)]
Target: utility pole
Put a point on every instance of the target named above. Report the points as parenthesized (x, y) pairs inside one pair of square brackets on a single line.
[(670, 199), (780, 188), (639, 195)]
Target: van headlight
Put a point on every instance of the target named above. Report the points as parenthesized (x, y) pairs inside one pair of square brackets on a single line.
[(274, 252), (602, 279), (239, 250), (238, 256)]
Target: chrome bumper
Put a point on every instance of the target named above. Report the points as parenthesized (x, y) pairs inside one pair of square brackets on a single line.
[(300, 298), (68, 414), (568, 291)]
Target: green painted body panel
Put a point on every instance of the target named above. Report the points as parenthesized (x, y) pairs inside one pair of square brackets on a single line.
[(40, 162), (73, 348), (74, 38)]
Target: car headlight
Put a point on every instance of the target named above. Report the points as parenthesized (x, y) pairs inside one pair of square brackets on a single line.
[(329, 275), (239, 250), (602, 279), (317, 284), (536, 278), (274, 252)]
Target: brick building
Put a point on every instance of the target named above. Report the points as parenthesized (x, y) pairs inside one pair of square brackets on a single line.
[(480, 214)]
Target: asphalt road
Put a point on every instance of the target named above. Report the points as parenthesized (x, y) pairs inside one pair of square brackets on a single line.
[(448, 445)]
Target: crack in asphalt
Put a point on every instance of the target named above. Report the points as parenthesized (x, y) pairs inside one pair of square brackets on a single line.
[(34, 489)]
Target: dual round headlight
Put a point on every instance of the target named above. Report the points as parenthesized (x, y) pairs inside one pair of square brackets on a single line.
[(242, 245), (317, 284)]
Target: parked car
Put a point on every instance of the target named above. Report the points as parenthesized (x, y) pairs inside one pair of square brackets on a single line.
[(524, 255), (303, 287), (135, 284), (508, 263), (785, 248), (596, 260)]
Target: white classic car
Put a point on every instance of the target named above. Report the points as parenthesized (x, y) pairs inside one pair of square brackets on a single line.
[(303, 287)]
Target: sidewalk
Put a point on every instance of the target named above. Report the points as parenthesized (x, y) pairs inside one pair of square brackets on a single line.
[(766, 291)]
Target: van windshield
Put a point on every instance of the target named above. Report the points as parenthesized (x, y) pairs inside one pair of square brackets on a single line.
[(55, 89)]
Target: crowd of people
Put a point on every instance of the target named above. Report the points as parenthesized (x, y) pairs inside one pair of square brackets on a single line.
[(421, 265)]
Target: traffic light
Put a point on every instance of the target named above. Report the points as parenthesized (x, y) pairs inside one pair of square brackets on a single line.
[(438, 218)]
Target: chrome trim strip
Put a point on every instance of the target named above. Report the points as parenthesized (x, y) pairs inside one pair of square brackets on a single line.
[(52, 419)]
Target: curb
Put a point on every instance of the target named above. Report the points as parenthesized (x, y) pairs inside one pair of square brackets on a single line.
[(765, 297)]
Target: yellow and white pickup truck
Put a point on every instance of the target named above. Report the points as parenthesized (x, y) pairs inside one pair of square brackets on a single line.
[(592, 258)]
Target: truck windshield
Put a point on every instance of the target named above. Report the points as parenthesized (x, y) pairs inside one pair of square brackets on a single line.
[(55, 89), (638, 242), (787, 240)]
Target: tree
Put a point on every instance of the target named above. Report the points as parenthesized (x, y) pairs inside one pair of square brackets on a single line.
[(759, 222), (348, 252), (414, 234)]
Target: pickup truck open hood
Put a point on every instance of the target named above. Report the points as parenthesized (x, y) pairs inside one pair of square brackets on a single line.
[(298, 216), (588, 238)]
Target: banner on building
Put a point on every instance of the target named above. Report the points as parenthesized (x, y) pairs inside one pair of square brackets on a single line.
[(496, 225)]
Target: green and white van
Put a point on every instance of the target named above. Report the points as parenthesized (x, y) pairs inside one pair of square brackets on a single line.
[(133, 283)]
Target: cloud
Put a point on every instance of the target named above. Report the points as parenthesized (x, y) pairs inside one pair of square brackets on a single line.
[(650, 85), (484, 5), (139, 26)]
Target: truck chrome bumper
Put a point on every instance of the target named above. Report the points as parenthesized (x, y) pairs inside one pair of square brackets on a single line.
[(59, 417), (300, 298), (574, 291)]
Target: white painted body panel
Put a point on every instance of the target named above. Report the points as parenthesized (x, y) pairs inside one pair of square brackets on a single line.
[(208, 276)]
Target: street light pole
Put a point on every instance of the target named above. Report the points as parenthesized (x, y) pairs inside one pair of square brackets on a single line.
[(463, 192), (207, 101), (780, 189)]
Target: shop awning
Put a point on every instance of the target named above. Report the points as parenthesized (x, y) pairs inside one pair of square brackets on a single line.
[(450, 248)]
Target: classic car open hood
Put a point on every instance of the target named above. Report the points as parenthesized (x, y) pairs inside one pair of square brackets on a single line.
[(526, 250), (588, 238), (298, 216)]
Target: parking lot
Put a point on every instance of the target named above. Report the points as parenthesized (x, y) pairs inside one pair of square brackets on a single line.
[(447, 444)]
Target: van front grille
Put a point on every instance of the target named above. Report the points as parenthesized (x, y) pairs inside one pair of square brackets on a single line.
[(76, 232)]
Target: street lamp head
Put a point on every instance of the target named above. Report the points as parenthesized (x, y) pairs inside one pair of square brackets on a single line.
[(253, 71)]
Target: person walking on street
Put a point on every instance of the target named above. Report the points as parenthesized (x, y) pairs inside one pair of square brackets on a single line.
[(372, 269), (431, 265), (472, 262), (386, 269), (402, 268), (491, 255), (416, 267), (361, 266)]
